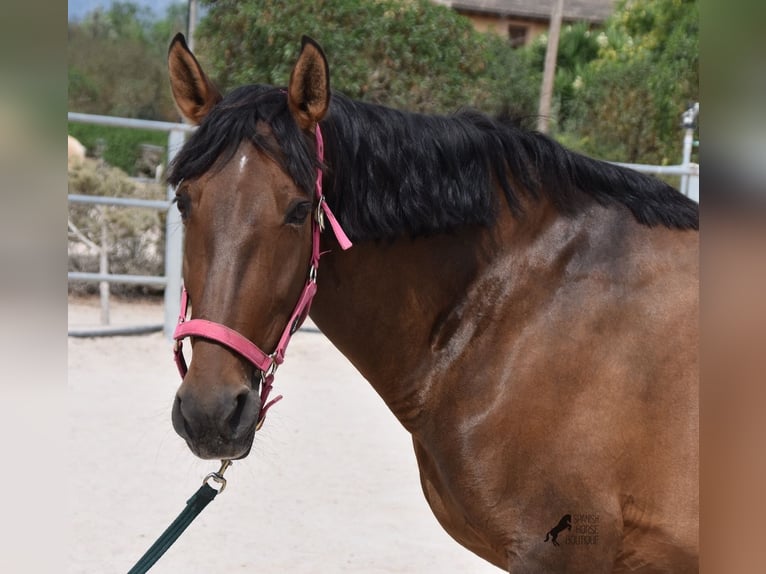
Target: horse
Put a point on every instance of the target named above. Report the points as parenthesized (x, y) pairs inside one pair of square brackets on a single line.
[(527, 313)]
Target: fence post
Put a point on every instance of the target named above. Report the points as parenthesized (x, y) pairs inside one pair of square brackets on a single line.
[(688, 119), (173, 246), (103, 266), (693, 183)]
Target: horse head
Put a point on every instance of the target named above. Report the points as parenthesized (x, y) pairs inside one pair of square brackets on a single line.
[(245, 190)]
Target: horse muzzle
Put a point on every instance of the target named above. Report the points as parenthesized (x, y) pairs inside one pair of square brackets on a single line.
[(219, 423)]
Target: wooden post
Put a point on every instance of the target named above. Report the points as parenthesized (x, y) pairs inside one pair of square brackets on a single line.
[(549, 72)]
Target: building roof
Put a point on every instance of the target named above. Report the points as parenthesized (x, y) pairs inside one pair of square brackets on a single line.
[(574, 10)]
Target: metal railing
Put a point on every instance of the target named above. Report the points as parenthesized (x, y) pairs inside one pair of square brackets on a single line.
[(173, 229), (689, 173)]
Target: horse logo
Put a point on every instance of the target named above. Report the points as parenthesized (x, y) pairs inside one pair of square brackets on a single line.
[(553, 533)]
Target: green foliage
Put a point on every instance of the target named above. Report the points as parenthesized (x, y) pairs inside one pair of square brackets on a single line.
[(630, 99), (162, 31), (117, 67), (577, 48), (120, 145), (116, 61), (406, 54), (619, 93)]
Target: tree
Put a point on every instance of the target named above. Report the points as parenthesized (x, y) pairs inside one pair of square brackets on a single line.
[(577, 48), (117, 66), (116, 61), (630, 99), (406, 54)]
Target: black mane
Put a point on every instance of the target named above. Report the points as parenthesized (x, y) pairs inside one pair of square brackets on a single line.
[(391, 173), (235, 119)]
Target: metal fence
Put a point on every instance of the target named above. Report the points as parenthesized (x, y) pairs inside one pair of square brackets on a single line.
[(171, 280), (689, 172)]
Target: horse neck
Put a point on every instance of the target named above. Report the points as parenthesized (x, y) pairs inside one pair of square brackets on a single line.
[(378, 303), (389, 306)]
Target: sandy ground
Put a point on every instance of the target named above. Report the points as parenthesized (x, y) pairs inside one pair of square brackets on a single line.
[(330, 486)]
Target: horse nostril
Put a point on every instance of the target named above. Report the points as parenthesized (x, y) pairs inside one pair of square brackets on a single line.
[(240, 402), (187, 428), (179, 420)]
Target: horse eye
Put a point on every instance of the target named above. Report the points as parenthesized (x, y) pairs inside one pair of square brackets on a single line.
[(182, 202), (298, 213)]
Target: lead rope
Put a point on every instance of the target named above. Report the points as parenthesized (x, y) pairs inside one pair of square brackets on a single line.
[(194, 506)]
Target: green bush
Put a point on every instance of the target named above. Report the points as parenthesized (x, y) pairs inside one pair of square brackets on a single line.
[(135, 235), (406, 54), (116, 61), (628, 101), (121, 145), (618, 94)]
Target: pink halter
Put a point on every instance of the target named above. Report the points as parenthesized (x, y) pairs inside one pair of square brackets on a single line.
[(266, 363)]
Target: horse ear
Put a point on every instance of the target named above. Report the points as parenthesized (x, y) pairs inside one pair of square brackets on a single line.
[(308, 93), (194, 93)]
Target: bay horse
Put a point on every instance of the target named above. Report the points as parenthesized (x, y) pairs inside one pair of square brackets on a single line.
[(528, 314)]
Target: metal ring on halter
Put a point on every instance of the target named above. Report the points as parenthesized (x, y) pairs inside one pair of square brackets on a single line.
[(270, 371), (319, 214), (218, 476)]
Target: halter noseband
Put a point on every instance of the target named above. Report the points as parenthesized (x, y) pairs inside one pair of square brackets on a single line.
[(266, 363)]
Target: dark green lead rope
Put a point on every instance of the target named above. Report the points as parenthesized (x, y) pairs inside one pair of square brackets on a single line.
[(194, 506)]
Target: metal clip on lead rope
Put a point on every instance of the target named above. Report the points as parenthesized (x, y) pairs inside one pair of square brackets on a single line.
[(218, 476)]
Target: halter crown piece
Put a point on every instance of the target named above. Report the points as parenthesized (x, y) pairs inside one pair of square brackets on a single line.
[(266, 363)]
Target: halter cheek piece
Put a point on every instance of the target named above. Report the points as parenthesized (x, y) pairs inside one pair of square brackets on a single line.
[(265, 363)]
